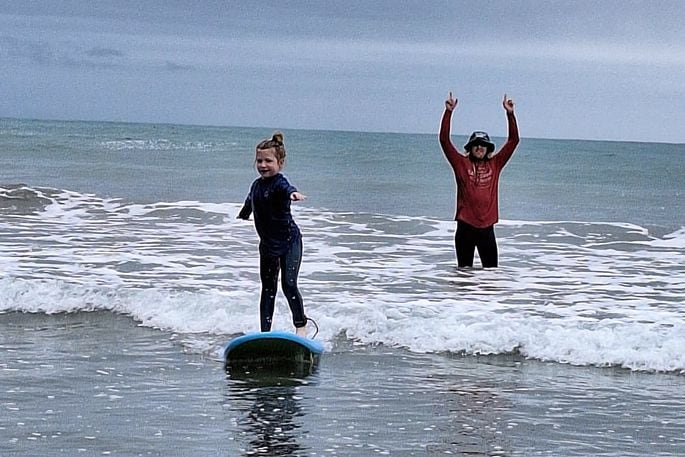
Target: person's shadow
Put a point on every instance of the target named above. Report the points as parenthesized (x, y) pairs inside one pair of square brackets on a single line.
[(270, 410)]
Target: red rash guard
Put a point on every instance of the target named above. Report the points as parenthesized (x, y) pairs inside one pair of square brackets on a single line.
[(477, 180)]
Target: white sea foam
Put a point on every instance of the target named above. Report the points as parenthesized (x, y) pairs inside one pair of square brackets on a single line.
[(579, 293), (157, 144)]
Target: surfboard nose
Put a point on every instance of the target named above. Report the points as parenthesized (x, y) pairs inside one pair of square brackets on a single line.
[(272, 353)]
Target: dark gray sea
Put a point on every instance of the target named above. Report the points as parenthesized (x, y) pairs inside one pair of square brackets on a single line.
[(123, 272)]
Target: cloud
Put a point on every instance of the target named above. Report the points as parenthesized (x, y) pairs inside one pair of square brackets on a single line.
[(65, 53), (98, 51), (172, 66), (16, 49), (380, 65)]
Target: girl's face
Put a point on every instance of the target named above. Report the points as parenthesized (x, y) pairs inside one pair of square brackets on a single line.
[(267, 164)]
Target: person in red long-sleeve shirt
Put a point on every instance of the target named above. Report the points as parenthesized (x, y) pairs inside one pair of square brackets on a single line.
[(477, 175)]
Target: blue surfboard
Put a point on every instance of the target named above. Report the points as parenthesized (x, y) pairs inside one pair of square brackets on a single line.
[(272, 352)]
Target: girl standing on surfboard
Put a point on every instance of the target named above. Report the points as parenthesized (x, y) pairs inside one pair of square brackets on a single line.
[(477, 174), (280, 245)]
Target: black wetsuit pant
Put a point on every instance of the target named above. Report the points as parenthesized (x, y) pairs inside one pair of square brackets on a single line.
[(469, 238), (289, 266)]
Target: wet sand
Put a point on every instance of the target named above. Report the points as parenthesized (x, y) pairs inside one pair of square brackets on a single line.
[(99, 384)]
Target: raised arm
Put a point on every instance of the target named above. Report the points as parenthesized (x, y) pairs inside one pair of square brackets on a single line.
[(507, 149), (451, 152), (511, 120)]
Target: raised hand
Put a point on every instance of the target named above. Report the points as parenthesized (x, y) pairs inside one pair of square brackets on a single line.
[(508, 104), (450, 103)]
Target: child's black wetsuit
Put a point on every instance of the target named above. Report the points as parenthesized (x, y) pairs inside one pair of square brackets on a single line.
[(280, 246)]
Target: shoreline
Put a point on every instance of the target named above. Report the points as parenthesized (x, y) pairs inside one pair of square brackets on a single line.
[(81, 381)]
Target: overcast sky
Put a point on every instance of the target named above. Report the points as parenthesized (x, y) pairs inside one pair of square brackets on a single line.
[(576, 69)]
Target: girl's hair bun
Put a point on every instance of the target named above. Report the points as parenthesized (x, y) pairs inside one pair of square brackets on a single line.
[(275, 142), (277, 137)]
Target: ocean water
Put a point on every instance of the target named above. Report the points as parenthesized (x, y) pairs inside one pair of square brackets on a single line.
[(120, 240)]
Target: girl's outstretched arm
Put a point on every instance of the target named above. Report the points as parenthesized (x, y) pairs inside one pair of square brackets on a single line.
[(246, 210)]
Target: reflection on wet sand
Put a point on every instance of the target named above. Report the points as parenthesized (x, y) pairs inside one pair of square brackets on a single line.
[(270, 409)]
